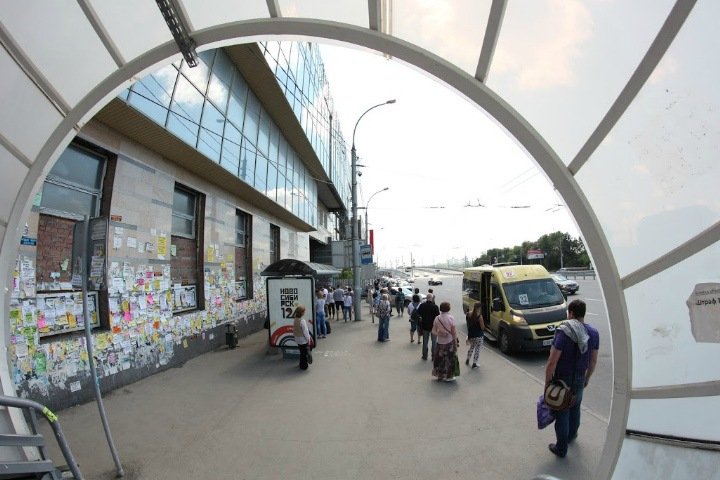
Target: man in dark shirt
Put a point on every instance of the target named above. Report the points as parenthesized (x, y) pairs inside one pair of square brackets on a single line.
[(573, 357), (428, 311)]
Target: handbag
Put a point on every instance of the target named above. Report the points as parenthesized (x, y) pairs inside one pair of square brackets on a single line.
[(559, 396), (545, 416), (456, 368)]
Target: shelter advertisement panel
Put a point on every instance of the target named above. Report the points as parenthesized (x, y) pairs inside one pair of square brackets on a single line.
[(283, 295)]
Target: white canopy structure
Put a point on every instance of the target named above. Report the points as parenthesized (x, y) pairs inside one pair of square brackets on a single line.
[(617, 102)]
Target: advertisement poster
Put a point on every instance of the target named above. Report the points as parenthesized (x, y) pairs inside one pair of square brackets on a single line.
[(704, 308), (284, 294)]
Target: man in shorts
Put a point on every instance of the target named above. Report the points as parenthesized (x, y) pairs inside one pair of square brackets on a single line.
[(339, 299)]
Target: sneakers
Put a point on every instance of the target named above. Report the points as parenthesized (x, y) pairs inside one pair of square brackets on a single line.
[(475, 365), (451, 379)]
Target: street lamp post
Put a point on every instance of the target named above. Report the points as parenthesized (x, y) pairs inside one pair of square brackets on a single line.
[(354, 225), (367, 204)]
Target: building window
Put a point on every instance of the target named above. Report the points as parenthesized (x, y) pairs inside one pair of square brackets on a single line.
[(187, 263), (274, 243), (74, 189), (243, 255)]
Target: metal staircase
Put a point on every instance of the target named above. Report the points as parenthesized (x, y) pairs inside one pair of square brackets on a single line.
[(43, 468)]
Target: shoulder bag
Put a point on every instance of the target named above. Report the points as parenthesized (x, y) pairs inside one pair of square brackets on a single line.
[(558, 395)]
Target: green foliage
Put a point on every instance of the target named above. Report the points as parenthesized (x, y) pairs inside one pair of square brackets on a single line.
[(561, 250), (346, 274)]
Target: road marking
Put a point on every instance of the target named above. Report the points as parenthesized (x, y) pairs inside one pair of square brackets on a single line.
[(595, 299), (588, 313)]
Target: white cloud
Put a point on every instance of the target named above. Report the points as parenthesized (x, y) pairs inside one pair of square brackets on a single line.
[(552, 39)]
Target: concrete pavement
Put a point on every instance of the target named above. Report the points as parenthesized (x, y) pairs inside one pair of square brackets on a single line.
[(364, 410)]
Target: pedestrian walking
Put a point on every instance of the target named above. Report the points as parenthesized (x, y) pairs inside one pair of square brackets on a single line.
[(320, 314), (447, 344), (329, 304), (302, 337), (428, 311), (383, 313), (373, 305), (348, 304), (415, 318), (400, 301), (338, 298), (572, 359), (476, 334)]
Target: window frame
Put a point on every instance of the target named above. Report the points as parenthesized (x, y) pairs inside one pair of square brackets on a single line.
[(197, 238)]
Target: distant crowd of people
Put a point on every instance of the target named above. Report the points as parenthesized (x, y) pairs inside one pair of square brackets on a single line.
[(435, 327), (572, 359)]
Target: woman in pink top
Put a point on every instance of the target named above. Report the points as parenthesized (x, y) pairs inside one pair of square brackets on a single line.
[(444, 360)]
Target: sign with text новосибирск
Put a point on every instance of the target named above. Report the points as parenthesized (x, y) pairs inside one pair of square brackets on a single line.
[(283, 296)]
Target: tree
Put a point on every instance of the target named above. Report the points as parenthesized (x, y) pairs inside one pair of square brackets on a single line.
[(560, 249)]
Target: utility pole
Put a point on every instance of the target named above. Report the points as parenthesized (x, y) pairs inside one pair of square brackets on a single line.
[(355, 227)]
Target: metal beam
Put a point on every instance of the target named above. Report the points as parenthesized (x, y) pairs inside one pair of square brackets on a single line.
[(374, 14), (179, 24), (33, 72), (699, 242), (274, 8), (685, 390), (101, 32), (492, 33), (663, 40)]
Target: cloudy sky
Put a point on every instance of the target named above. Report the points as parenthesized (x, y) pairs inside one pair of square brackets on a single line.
[(458, 184)]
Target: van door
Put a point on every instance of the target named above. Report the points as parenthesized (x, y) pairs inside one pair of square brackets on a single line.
[(496, 316), (486, 297)]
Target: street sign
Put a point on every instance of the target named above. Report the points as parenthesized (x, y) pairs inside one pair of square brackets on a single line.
[(366, 257)]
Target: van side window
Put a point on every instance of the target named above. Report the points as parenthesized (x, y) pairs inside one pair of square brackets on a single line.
[(496, 291), (473, 289)]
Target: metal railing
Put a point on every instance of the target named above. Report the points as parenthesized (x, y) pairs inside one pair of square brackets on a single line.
[(577, 273), (43, 466)]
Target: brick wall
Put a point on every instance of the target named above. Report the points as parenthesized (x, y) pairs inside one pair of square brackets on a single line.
[(55, 237), (184, 263)]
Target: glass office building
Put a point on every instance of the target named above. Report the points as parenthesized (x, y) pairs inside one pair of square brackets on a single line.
[(211, 108)]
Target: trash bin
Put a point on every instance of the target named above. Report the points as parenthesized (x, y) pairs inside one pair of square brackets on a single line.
[(231, 335)]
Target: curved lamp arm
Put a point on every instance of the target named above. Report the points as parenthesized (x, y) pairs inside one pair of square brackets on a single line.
[(365, 112)]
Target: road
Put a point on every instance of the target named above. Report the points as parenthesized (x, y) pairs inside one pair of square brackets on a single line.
[(598, 394)]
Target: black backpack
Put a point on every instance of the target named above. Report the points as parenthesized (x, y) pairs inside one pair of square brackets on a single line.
[(415, 315)]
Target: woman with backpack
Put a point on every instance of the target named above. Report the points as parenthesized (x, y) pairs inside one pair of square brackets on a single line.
[(476, 327), (415, 318)]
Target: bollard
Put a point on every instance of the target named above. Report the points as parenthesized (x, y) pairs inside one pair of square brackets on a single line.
[(231, 335)]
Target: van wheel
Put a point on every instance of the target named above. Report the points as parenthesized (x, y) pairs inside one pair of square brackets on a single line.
[(504, 342)]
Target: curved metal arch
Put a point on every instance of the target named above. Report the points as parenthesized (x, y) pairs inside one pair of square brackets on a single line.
[(461, 82)]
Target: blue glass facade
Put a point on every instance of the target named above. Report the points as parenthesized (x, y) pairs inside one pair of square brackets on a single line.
[(211, 108), (300, 72)]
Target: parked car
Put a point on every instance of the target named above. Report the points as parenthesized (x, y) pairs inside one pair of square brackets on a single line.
[(567, 286), (434, 281), (408, 295)]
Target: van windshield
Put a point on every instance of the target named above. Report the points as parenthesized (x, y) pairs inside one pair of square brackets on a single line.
[(533, 294)]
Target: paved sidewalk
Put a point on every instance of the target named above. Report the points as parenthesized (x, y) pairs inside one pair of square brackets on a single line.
[(364, 410)]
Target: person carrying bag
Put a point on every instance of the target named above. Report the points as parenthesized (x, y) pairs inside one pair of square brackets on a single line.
[(570, 365), (445, 362)]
